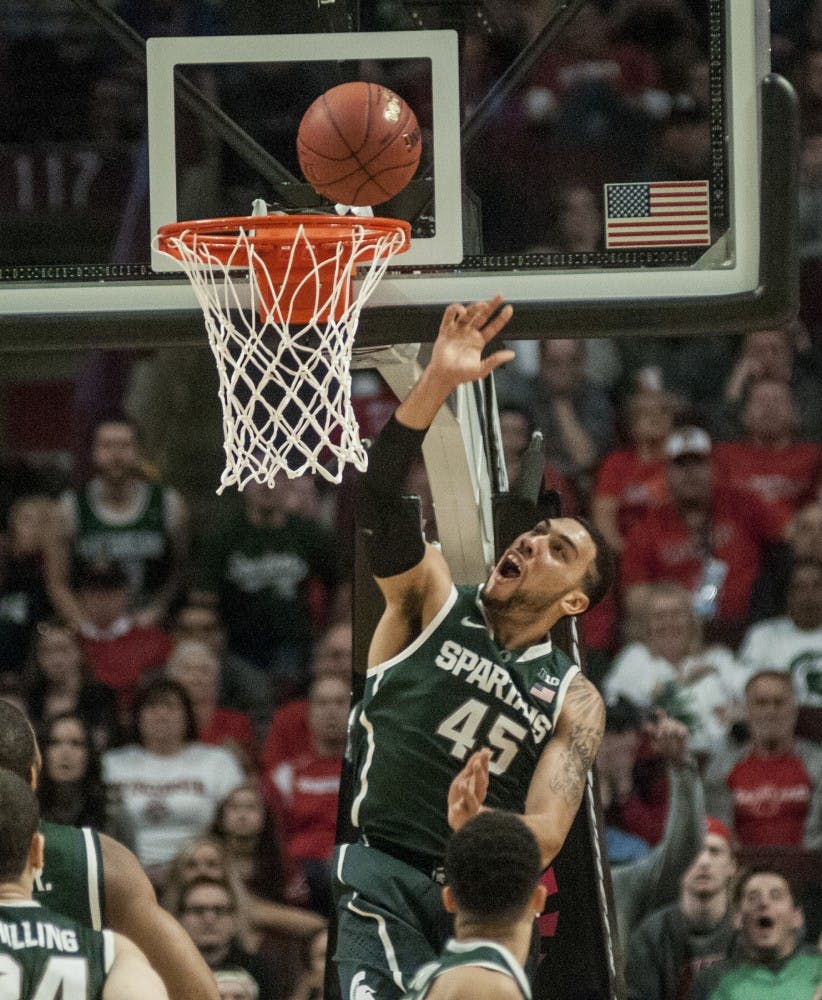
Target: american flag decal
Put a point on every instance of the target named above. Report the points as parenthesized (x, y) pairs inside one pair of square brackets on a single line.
[(657, 214), (542, 692)]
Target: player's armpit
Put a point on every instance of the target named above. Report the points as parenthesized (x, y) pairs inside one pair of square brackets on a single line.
[(132, 909), (558, 784), (412, 599), (131, 977)]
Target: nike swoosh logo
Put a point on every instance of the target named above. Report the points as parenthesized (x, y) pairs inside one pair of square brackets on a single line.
[(469, 624)]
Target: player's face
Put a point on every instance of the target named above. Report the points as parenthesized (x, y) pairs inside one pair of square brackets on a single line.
[(114, 452), (768, 917), (543, 566), (712, 870), (67, 751)]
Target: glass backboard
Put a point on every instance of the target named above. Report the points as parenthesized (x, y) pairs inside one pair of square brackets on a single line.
[(606, 174)]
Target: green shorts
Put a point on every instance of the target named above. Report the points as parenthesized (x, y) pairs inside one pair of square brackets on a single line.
[(390, 921)]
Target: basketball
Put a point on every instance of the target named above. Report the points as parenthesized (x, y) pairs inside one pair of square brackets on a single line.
[(359, 144)]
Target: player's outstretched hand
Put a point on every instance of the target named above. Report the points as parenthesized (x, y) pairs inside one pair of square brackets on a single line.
[(468, 789), (463, 335)]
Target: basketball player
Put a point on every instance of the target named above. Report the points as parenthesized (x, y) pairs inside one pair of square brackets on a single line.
[(96, 881), (492, 871), (452, 670), (43, 954)]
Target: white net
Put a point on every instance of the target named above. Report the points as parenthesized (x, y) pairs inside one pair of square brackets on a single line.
[(282, 337)]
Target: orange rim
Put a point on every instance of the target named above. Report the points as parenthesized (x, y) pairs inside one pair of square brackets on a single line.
[(279, 231)]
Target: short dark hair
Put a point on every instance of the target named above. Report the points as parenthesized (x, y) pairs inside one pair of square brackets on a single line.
[(154, 690), (18, 747), (492, 866), (19, 815), (762, 869), (599, 577)]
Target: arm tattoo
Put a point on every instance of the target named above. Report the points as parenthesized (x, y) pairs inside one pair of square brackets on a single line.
[(587, 712)]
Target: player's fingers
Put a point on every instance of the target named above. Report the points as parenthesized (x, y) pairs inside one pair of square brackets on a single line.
[(495, 324), (478, 313), (453, 314), (493, 361)]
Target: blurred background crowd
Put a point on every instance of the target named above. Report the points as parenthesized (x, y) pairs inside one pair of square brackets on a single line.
[(186, 658)]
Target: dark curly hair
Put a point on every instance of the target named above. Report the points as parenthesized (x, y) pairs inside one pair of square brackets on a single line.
[(493, 865)]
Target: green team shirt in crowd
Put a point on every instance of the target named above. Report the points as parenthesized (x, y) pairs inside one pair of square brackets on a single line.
[(457, 954), (423, 713), (71, 882), (46, 956), (797, 979), (142, 545)]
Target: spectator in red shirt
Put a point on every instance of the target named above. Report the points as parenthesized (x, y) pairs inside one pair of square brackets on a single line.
[(631, 481), (197, 667), (121, 651), (770, 788), (769, 461), (304, 790), (708, 537), (290, 733)]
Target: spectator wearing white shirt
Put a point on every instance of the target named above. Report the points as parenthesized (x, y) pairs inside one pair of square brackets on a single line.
[(793, 642), (672, 668), (167, 786)]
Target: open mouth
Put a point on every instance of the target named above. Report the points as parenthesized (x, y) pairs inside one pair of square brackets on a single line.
[(765, 923), (510, 568)]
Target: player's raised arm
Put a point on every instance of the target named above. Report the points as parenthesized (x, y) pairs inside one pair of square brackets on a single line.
[(131, 977), (413, 577), (558, 784), (132, 909)]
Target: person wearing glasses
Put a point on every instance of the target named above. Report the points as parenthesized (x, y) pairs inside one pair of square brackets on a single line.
[(211, 912)]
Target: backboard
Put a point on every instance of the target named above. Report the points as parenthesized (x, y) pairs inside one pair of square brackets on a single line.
[(551, 130)]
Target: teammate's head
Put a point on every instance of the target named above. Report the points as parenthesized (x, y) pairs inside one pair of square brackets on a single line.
[(492, 871), (19, 815), (18, 746)]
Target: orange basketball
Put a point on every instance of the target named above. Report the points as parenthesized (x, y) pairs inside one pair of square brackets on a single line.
[(359, 144)]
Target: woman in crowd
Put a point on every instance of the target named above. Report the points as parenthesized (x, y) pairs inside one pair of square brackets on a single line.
[(247, 832), (166, 784), (70, 789), (59, 681)]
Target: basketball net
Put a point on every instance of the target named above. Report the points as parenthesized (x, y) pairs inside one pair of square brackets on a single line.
[(281, 311)]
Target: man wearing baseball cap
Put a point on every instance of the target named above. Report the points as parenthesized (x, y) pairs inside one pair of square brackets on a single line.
[(708, 537), (671, 945)]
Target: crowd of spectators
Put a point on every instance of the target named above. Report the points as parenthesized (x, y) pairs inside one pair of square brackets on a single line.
[(189, 676)]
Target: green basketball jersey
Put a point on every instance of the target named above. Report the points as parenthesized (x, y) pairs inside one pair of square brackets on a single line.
[(485, 954), (451, 692), (142, 546), (46, 956), (71, 881)]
